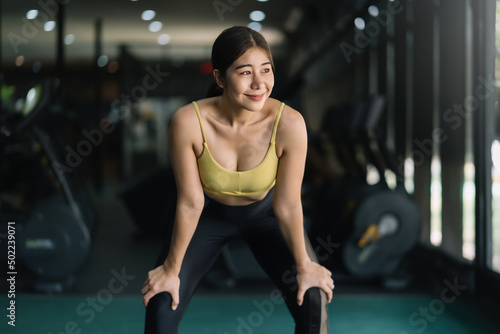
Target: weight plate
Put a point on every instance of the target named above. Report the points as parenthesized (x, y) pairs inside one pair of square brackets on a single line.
[(54, 242), (399, 222)]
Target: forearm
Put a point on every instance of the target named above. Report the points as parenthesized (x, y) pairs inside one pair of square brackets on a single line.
[(290, 222), (186, 220)]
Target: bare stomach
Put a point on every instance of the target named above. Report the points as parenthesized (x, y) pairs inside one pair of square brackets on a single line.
[(236, 200)]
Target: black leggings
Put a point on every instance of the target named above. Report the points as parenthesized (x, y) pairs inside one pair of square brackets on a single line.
[(256, 224)]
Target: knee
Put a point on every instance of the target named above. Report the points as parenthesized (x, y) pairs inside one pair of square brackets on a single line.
[(313, 316), (314, 297), (160, 303), (160, 318)]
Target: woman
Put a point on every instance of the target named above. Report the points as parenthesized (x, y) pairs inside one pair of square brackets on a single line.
[(238, 160)]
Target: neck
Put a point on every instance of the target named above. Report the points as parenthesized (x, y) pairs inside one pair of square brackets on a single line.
[(233, 114)]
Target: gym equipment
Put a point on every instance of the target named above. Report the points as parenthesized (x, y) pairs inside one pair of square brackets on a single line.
[(337, 203), (376, 225), (387, 223), (54, 215)]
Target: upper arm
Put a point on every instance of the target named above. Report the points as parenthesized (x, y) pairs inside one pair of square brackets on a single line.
[(181, 141), (292, 139)]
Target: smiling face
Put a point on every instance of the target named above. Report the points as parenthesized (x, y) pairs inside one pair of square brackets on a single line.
[(249, 80)]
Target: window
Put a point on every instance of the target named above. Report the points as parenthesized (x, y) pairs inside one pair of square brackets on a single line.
[(495, 155)]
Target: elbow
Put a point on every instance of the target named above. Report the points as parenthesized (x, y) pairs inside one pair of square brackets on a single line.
[(285, 211), (192, 206)]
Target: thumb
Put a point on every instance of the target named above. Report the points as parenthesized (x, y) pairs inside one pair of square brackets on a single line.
[(300, 296), (175, 299)]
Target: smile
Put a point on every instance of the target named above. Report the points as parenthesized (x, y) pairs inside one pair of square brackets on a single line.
[(256, 97)]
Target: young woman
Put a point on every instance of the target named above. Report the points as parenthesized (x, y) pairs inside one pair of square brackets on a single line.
[(238, 160)]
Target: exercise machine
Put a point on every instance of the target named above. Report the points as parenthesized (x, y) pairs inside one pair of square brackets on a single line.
[(375, 224), (55, 217), (386, 222)]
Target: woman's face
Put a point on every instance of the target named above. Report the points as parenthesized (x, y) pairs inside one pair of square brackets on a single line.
[(249, 80)]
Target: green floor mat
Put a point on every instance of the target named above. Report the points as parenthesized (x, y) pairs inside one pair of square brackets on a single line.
[(107, 314)]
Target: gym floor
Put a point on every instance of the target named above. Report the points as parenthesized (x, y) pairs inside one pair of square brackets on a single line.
[(224, 305)]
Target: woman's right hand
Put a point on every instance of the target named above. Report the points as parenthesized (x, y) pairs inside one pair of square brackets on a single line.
[(159, 280)]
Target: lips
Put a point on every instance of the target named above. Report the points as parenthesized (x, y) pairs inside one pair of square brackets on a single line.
[(256, 97)]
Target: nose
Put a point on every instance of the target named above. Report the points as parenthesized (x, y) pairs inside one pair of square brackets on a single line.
[(257, 81)]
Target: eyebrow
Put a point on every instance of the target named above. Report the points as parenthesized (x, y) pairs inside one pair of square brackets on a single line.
[(245, 65)]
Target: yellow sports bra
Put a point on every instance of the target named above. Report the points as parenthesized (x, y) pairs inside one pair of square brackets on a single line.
[(219, 180)]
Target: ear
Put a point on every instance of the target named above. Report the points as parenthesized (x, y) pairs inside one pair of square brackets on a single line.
[(218, 78)]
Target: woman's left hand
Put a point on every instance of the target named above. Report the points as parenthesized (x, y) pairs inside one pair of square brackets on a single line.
[(312, 274)]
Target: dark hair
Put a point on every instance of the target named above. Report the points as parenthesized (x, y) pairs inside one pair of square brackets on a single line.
[(231, 44)]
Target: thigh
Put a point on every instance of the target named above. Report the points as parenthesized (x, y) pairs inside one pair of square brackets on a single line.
[(271, 251), (208, 239)]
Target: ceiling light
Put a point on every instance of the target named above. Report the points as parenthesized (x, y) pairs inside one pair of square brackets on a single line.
[(255, 26), (32, 14), (373, 11), (148, 15), (262, 0), (257, 15), (359, 23), (155, 26), (69, 39), (163, 39), (102, 61), (49, 25)]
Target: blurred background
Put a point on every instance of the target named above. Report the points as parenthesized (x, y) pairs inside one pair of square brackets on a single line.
[(401, 192)]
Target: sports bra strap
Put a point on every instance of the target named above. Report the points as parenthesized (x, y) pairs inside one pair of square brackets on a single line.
[(273, 136), (201, 123)]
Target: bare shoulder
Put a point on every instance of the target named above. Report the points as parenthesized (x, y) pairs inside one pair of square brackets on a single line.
[(291, 122), (184, 116), (291, 134), (184, 124)]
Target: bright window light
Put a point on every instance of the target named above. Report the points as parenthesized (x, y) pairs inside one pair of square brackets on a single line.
[(495, 154)]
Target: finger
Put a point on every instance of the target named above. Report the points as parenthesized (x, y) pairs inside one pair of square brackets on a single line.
[(146, 299), (300, 296), (175, 299), (144, 290), (328, 292)]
